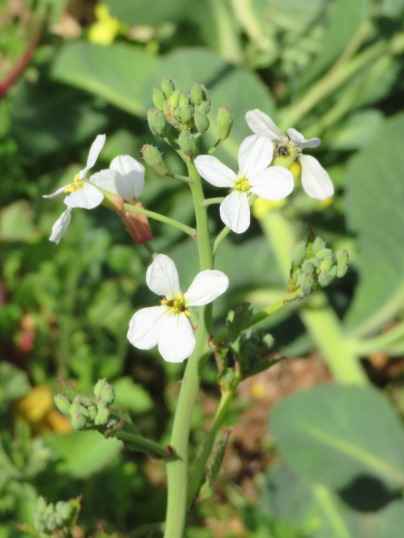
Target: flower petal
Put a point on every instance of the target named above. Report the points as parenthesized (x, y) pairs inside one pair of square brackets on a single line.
[(235, 212), (60, 226), (206, 287), (95, 150), (255, 154), (106, 179), (261, 124), (56, 193), (145, 325), (162, 276), (298, 140), (315, 180), (215, 172), (176, 340), (275, 183), (131, 172), (88, 197)]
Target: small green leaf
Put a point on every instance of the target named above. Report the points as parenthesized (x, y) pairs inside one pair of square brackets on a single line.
[(131, 396)]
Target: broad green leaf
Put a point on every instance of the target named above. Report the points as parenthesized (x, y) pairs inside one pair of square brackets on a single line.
[(131, 396), (375, 198), (82, 453), (16, 222), (333, 434), (345, 19), (119, 73), (140, 12), (356, 132)]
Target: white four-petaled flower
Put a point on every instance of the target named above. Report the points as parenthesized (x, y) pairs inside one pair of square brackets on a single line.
[(254, 177), (124, 177), (315, 180), (168, 326)]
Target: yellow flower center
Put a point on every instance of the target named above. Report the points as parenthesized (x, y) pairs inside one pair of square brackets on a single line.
[(176, 305), (242, 184), (77, 185)]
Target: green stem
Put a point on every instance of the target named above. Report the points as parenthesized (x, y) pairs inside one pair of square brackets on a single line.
[(200, 464), (162, 218), (212, 201), (222, 235), (385, 342), (177, 470), (141, 444), (317, 315)]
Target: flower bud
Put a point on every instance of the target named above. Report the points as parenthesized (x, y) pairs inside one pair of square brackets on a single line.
[(154, 158), (174, 99), (156, 120), (323, 253), (224, 122), (108, 394), (188, 144), (318, 244), (306, 282), (299, 253), (327, 262), (102, 417), (167, 86), (342, 262), (62, 403), (196, 94), (308, 267), (64, 510), (326, 277), (204, 107), (184, 100), (185, 113), (78, 420), (201, 122), (99, 386), (158, 98), (40, 505)]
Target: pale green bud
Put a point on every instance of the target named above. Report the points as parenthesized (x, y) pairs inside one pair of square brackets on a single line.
[(108, 394), (299, 252), (327, 262), (318, 244), (326, 277), (78, 420), (196, 94), (306, 282), (62, 403), (342, 262), (185, 113), (184, 100), (201, 122), (102, 417), (157, 121), (174, 99), (166, 109), (204, 107), (158, 98), (323, 253), (308, 267), (51, 523), (154, 158), (40, 505), (99, 387), (167, 86), (188, 144), (224, 122), (64, 509)]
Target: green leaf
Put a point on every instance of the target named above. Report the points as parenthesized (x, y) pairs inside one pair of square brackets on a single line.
[(139, 12), (82, 453), (131, 396), (345, 18), (13, 383), (119, 73), (16, 222), (325, 434), (356, 132), (375, 196)]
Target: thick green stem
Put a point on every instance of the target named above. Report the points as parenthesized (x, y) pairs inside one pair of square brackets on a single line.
[(317, 315), (177, 470)]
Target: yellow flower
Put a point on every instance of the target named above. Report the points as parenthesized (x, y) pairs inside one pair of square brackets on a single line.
[(106, 27)]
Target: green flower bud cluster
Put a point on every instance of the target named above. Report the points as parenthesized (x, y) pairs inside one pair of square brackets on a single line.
[(315, 266), (50, 518), (186, 113), (87, 413)]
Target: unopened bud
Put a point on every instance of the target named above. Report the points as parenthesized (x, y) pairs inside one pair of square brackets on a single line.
[(102, 417), (78, 421), (174, 99), (154, 158), (318, 244), (62, 403), (327, 262), (158, 98), (306, 283), (108, 394), (99, 387), (342, 262), (64, 509), (185, 113), (224, 122), (156, 120), (308, 267), (299, 253), (184, 100), (167, 86), (188, 144), (323, 253), (326, 277), (201, 122), (196, 94), (204, 107)]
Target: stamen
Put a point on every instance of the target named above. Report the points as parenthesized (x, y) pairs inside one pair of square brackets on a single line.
[(242, 184)]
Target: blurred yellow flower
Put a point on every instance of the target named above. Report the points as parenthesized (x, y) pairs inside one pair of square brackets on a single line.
[(106, 27), (260, 207)]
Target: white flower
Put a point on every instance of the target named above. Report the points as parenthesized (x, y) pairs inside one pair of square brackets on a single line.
[(167, 326), (82, 194), (254, 176), (124, 177), (315, 180)]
